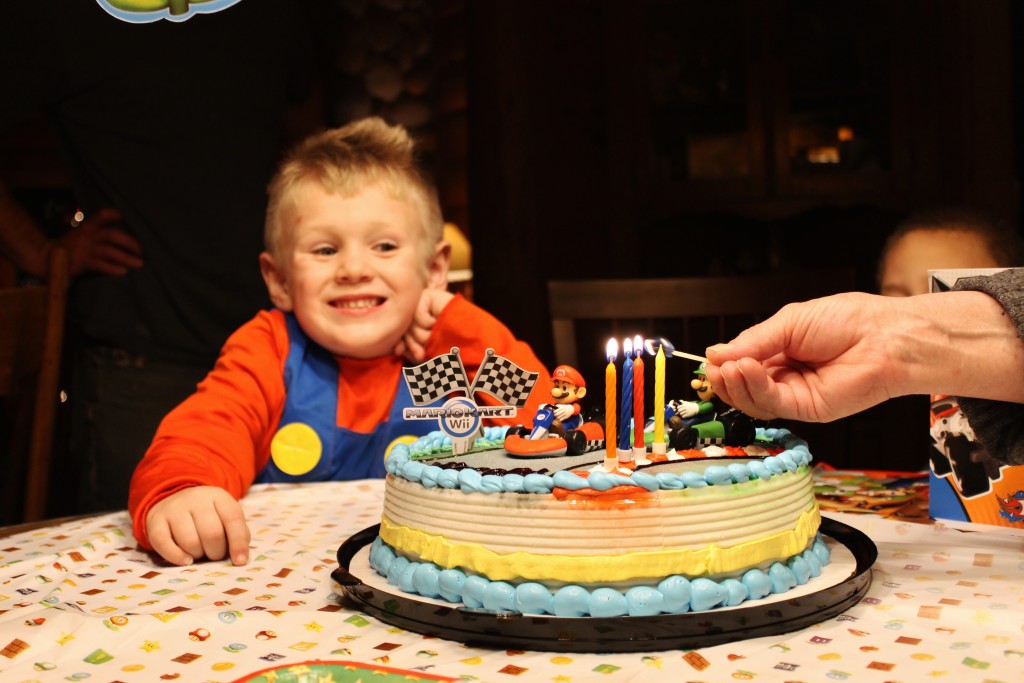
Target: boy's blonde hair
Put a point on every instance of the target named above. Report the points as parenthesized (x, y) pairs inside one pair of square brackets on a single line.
[(347, 159)]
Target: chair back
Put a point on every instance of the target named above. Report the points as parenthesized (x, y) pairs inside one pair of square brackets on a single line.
[(31, 339)]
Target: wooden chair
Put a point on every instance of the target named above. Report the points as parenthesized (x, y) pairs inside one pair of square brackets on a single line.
[(31, 339)]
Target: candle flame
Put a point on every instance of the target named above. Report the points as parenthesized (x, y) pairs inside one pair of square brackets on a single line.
[(638, 345), (654, 345), (660, 343), (611, 350), (627, 348)]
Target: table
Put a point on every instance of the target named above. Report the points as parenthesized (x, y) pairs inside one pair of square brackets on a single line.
[(79, 601)]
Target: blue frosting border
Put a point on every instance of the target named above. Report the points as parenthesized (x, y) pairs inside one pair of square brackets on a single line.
[(673, 595), (402, 463)]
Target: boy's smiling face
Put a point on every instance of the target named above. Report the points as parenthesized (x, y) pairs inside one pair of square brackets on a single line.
[(352, 269)]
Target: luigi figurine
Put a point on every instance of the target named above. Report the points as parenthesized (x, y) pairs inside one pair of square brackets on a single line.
[(708, 421)]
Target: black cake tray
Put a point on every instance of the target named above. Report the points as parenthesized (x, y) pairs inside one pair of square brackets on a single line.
[(513, 630)]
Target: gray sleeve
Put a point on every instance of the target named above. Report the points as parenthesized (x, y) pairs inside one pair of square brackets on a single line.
[(998, 425)]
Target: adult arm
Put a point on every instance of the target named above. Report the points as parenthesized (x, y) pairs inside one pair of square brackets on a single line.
[(96, 245), (827, 358), (999, 425), (21, 241)]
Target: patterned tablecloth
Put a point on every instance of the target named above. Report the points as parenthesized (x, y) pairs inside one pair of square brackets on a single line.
[(80, 602)]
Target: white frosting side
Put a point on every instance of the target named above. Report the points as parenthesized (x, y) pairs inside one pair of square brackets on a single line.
[(509, 536)]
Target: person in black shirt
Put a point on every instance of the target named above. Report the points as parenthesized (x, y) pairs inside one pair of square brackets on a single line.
[(170, 131)]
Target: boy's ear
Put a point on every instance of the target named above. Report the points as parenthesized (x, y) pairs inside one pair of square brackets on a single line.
[(277, 285), (437, 269)]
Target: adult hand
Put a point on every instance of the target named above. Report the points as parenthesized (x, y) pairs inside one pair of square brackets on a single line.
[(98, 245), (815, 361), (197, 522), (413, 345)]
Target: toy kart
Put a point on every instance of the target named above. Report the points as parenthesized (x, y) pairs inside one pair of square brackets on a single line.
[(732, 429), (541, 443)]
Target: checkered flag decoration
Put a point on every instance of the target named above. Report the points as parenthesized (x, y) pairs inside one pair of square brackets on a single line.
[(439, 376), (504, 380)]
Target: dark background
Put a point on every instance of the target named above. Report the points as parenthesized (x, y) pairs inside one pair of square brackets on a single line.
[(606, 138)]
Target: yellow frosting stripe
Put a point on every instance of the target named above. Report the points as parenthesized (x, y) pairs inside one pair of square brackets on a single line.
[(521, 566)]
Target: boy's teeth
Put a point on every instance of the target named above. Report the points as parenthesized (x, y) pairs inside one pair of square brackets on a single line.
[(358, 303)]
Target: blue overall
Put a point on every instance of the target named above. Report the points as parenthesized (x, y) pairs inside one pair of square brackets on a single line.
[(311, 398)]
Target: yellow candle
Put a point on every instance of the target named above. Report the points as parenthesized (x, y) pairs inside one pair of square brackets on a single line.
[(638, 394), (611, 457), (659, 396)]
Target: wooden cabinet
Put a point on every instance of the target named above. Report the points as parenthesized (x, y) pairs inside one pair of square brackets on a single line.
[(670, 138), (767, 108)]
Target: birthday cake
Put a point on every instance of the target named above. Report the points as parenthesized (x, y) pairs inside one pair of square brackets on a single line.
[(570, 539), (574, 533)]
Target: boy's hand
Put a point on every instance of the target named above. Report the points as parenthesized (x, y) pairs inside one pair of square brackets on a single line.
[(414, 344), (196, 522)]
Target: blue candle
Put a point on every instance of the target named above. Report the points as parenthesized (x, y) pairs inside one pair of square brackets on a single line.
[(626, 407)]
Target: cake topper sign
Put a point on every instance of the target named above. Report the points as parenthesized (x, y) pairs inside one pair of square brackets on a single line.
[(460, 416)]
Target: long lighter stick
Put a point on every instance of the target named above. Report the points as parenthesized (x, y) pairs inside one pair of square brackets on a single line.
[(700, 359), (653, 345)]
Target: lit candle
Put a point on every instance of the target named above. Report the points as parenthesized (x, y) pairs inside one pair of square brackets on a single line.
[(639, 450), (611, 458), (659, 445), (626, 409)]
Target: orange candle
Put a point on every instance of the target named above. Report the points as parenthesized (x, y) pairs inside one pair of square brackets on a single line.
[(611, 457), (638, 394)]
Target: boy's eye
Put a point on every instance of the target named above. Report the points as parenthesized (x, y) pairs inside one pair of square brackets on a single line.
[(324, 251), (386, 246)]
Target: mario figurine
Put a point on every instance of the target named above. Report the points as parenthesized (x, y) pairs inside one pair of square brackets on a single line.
[(567, 390), (559, 428)]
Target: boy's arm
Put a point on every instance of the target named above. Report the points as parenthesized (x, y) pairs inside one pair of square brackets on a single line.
[(474, 330), (219, 436)]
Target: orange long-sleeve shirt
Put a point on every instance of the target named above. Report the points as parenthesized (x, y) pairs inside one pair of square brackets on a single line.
[(220, 436)]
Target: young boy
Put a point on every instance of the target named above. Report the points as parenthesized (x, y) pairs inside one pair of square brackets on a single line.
[(313, 390), (943, 237)]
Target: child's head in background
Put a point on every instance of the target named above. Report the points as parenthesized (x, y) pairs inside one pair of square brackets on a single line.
[(943, 238), (353, 236)]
